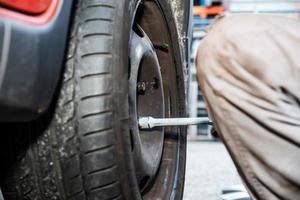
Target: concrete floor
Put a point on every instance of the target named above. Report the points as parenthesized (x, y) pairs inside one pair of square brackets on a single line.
[(209, 169)]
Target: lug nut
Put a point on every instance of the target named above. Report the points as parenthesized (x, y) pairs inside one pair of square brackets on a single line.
[(141, 87)]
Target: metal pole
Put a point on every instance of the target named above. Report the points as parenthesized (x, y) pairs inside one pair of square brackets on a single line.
[(150, 122)]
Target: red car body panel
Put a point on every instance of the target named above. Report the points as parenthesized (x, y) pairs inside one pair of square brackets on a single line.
[(45, 13)]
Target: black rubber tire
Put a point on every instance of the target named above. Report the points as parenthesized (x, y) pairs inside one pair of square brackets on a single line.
[(83, 152), (75, 157)]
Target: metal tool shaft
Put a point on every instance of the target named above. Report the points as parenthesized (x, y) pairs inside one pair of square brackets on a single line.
[(150, 122)]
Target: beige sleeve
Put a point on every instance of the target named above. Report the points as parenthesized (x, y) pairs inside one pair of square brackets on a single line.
[(249, 71)]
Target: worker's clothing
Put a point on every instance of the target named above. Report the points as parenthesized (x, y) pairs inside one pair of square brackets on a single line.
[(249, 71)]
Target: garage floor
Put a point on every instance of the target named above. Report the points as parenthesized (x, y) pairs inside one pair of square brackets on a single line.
[(209, 169)]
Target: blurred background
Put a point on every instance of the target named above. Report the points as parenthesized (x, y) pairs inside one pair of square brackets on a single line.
[(210, 171)]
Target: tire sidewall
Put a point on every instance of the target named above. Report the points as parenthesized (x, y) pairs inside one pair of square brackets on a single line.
[(124, 19)]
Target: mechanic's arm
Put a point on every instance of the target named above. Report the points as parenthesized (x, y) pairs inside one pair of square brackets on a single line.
[(249, 71)]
